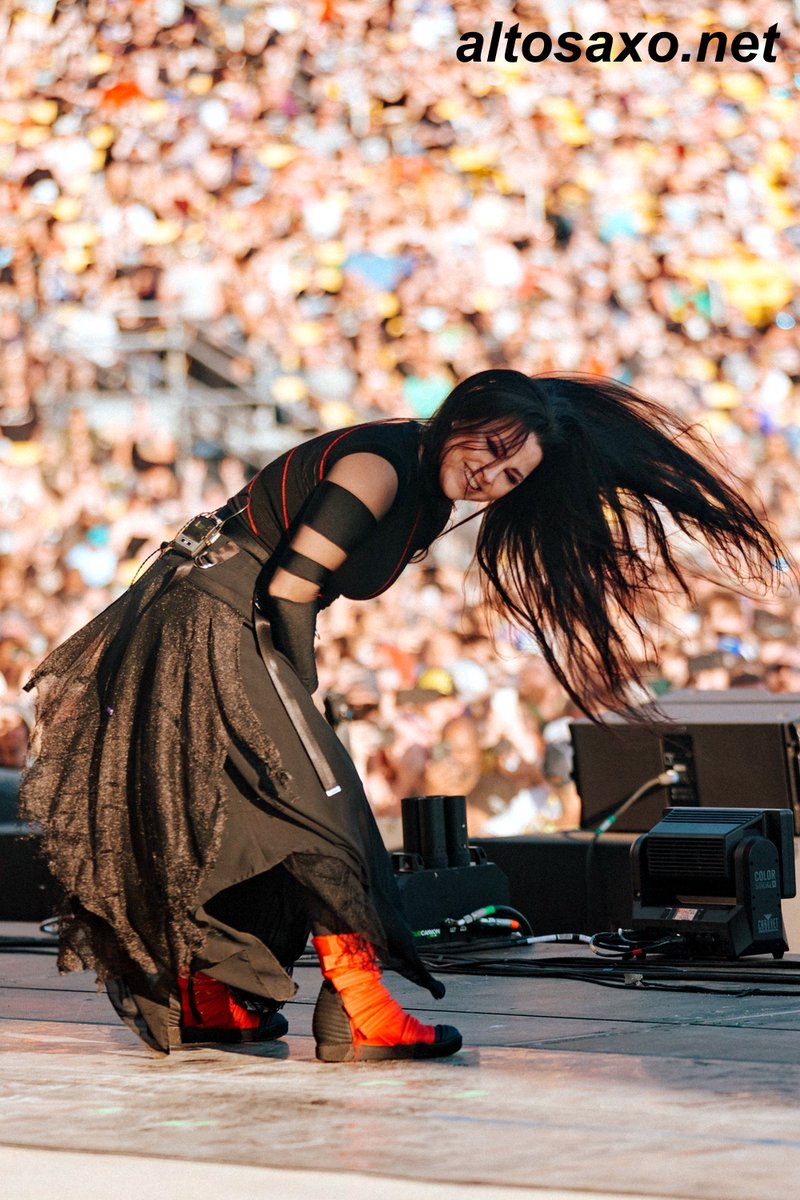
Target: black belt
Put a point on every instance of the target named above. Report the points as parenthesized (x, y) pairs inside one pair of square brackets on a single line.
[(294, 710), (229, 543)]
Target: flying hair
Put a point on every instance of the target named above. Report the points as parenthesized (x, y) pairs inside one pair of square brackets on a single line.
[(583, 545)]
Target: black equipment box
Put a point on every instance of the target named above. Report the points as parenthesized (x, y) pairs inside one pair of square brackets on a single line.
[(430, 897), (440, 876)]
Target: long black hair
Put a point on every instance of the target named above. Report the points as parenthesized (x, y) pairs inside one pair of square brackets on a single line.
[(583, 543)]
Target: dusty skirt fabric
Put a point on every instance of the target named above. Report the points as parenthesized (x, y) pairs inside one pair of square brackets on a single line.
[(135, 714), (179, 810)]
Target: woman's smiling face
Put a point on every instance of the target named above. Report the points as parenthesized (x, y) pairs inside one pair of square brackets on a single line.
[(486, 464)]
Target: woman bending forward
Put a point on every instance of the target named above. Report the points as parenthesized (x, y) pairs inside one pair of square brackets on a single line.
[(201, 816)]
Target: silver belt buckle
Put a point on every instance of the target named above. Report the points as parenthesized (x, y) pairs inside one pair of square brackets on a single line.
[(215, 554)]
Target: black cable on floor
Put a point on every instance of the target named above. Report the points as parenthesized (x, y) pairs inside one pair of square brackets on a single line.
[(712, 978)]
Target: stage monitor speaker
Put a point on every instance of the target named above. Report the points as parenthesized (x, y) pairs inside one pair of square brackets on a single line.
[(27, 891), (739, 749)]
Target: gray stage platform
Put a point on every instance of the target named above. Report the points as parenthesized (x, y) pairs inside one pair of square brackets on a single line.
[(564, 1088)]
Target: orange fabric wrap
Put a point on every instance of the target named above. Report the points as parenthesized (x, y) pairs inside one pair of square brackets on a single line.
[(348, 962)]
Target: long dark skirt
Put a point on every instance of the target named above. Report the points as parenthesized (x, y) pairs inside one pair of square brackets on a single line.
[(181, 813)]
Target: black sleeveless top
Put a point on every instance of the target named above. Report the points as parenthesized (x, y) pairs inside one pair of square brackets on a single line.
[(274, 501)]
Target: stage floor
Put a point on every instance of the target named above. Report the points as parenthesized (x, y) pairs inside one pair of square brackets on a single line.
[(563, 1089)]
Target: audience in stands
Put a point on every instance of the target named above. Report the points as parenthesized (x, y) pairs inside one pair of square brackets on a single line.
[(361, 220)]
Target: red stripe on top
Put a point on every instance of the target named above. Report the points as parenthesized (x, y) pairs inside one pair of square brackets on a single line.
[(283, 488), (328, 449), (284, 477), (396, 570), (248, 502), (354, 429)]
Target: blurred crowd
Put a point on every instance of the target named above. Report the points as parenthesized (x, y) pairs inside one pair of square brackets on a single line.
[(361, 220)]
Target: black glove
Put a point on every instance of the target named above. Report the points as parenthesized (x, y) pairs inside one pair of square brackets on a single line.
[(294, 625)]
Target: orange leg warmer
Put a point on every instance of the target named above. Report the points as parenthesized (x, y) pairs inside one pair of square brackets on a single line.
[(348, 962), (206, 1003)]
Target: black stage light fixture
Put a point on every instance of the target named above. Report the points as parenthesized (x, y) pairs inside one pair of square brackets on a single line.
[(714, 879), (440, 876)]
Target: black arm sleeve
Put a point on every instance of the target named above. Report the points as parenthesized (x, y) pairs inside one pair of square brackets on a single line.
[(337, 514), (293, 625)]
